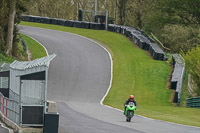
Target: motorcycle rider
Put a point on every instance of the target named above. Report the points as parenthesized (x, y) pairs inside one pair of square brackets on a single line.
[(130, 99)]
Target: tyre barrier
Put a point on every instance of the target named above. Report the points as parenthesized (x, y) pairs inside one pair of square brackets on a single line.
[(44, 20), (140, 39), (178, 64), (62, 22), (136, 36)]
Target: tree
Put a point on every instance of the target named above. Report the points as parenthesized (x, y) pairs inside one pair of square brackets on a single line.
[(193, 65), (181, 11), (10, 11), (9, 42), (3, 22), (137, 10), (121, 5), (179, 37)]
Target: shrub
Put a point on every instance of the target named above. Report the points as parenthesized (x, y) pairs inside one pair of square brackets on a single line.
[(192, 59), (179, 37)]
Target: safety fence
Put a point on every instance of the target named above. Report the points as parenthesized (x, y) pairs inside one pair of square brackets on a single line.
[(138, 37), (10, 108), (63, 22), (193, 102), (177, 76)]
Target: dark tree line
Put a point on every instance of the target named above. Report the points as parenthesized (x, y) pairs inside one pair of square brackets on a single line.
[(166, 19), (174, 22)]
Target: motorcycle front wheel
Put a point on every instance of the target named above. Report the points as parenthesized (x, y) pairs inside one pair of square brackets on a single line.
[(129, 116)]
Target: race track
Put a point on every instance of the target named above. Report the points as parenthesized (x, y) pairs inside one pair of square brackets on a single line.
[(79, 77)]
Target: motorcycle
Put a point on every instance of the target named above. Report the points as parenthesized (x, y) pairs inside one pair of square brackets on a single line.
[(130, 111)]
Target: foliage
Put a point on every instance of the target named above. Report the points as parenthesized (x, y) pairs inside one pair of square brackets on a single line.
[(137, 11), (193, 65), (181, 11), (4, 58), (172, 17), (18, 49), (3, 23), (121, 5), (65, 9), (178, 37), (4, 11), (184, 92), (174, 23)]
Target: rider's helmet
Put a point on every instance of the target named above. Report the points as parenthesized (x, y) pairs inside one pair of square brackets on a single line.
[(131, 98)]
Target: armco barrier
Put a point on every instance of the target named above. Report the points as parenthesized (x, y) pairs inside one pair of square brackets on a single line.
[(62, 22), (193, 102), (177, 76)]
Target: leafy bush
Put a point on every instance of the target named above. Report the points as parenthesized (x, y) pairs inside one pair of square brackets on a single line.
[(4, 58), (192, 59), (179, 37)]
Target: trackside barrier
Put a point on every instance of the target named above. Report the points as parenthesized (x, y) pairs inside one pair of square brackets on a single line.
[(9, 108), (62, 22), (177, 76), (193, 102), (139, 38), (24, 43)]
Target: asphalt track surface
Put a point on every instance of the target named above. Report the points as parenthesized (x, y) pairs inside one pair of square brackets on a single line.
[(79, 78)]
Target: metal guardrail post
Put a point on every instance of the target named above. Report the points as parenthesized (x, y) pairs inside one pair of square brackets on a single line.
[(25, 45)]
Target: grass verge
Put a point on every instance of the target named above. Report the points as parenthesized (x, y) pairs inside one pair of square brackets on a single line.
[(134, 72), (37, 51)]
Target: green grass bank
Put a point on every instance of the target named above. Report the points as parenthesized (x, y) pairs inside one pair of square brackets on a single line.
[(37, 51), (134, 72)]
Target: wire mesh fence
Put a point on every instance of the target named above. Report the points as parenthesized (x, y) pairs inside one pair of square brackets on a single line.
[(9, 108), (193, 102)]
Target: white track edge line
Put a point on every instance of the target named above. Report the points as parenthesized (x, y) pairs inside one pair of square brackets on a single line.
[(101, 102)]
